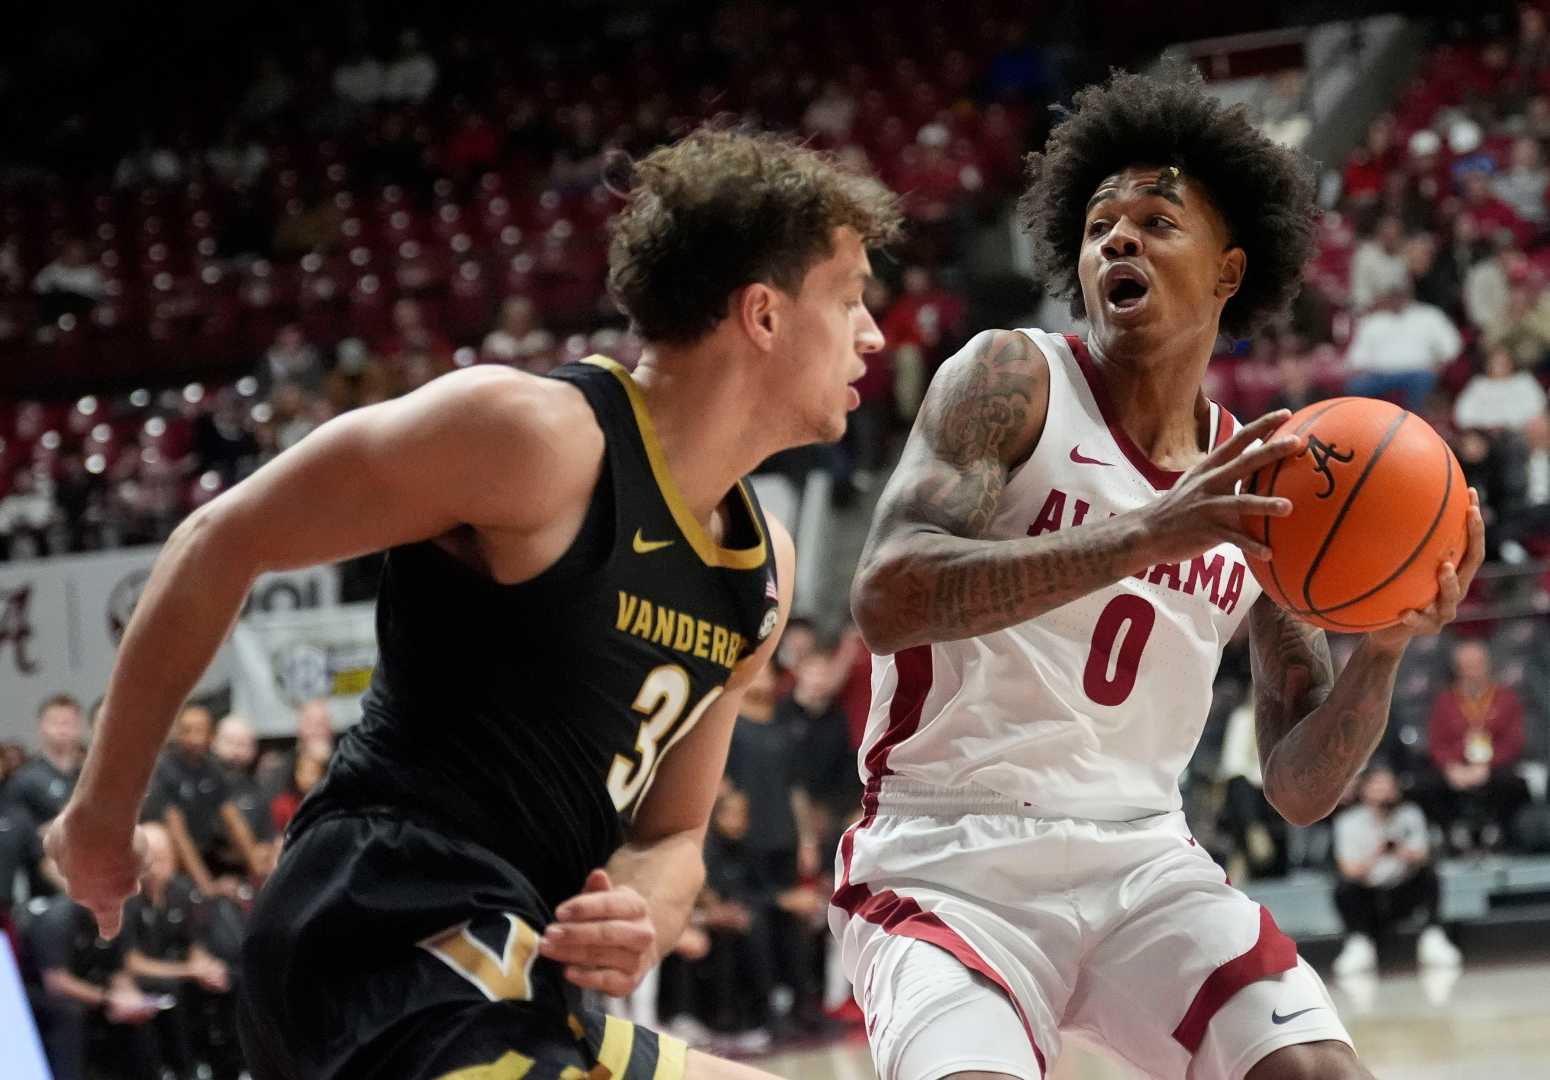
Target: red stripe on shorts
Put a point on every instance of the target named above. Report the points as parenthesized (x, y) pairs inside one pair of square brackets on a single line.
[(1271, 954), (909, 700)]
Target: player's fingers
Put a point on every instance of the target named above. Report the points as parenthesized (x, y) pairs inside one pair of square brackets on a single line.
[(631, 934), (1252, 547), (1257, 505), (592, 956), (1245, 465), (597, 881), (614, 904), (1245, 436), (1474, 555)]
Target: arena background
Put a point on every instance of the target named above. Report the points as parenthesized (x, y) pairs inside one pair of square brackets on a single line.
[(221, 225)]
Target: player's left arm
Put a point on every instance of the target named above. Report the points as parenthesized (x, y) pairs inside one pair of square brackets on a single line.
[(632, 911), (1316, 731)]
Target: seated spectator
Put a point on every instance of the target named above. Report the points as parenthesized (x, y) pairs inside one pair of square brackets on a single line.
[(1474, 739), (189, 795), (293, 359), (1499, 398), (306, 770), (236, 751), (1382, 852), (21, 858), (734, 908), (1527, 520), (86, 997), (1399, 347), (1522, 326), (70, 285), (518, 336), (165, 952), (1523, 184), (1483, 267), (1378, 268), (1491, 215), (41, 786), (1257, 831), (314, 738), (411, 77), (27, 512)]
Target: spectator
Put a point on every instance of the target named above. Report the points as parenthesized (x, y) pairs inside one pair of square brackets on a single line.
[(1474, 737), (1258, 832), (1295, 369), (735, 909), (86, 996), (1500, 397), (1487, 269), (42, 786), (236, 750), (11, 275), (1369, 163), (1382, 852), (1527, 520), (1522, 185), (1398, 348), (1523, 327), (314, 736), (306, 770), (165, 952), (223, 441), (411, 77), (70, 285), (27, 511), (764, 764), (831, 114), (413, 334), (235, 161), (21, 857), (190, 797), (1378, 267), (293, 359), (827, 764), (360, 79), (1491, 215), (518, 336)]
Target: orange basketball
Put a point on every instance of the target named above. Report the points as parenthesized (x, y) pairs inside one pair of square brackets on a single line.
[(1378, 505)]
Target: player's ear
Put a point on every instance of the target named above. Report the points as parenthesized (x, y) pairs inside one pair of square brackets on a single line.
[(1231, 274), (755, 310)]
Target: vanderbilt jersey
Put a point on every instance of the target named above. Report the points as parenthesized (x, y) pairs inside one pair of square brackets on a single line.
[(533, 718), (1093, 709)]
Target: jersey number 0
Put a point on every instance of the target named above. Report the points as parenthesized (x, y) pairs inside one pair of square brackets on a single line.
[(661, 699), (1110, 674)]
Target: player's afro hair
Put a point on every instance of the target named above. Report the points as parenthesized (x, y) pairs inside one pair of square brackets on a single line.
[(1264, 191)]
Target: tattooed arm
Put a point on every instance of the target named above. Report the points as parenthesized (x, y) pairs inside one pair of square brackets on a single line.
[(1314, 734), (1315, 731), (927, 573)]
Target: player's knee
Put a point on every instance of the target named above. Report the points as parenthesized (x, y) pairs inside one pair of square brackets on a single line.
[(1328, 1060)]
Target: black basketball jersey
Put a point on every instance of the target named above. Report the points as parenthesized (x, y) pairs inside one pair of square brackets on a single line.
[(533, 718)]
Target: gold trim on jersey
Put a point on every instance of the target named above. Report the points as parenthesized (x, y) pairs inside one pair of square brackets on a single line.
[(710, 552), (509, 1066)]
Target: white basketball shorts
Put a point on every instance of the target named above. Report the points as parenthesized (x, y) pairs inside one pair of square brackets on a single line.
[(974, 936)]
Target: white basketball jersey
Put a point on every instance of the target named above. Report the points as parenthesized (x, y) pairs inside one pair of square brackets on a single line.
[(1091, 710)]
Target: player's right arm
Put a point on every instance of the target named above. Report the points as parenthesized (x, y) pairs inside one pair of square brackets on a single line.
[(927, 574), (509, 454)]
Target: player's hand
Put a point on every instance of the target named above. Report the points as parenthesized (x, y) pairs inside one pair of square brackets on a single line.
[(101, 862), (1205, 508), (603, 935), (1452, 586)]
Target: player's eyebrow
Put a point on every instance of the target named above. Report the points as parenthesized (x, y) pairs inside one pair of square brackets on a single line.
[(1163, 187)]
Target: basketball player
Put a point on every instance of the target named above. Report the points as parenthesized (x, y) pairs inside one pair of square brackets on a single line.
[(1050, 579), (579, 585)]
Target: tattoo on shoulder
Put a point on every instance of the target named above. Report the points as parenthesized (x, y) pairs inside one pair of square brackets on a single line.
[(975, 413)]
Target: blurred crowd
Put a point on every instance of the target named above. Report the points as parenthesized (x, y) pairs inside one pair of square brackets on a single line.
[(755, 967)]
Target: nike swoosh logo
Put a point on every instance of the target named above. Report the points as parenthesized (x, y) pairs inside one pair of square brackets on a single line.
[(1077, 456), (643, 546), (1277, 1018)]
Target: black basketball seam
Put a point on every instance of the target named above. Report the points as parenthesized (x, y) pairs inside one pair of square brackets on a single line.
[(1447, 488), (1313, 568), (1275, 574)]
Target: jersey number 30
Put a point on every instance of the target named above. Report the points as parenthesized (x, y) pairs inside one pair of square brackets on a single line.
[(1110, 674), (661, 699)]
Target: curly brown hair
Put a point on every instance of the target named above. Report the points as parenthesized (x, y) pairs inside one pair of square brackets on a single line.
[(723, 208), (1265, 192)]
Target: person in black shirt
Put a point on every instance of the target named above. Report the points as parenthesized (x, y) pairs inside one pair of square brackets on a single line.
[(579, 585), (190, 796), (164, 949), (43, 784), (86, 995), (21, 852), (235, 749)]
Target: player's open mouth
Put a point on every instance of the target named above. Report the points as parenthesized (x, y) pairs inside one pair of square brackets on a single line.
[(1124, 289)]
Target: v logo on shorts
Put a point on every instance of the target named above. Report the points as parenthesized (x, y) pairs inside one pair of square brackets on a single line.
[(1277, 1018)]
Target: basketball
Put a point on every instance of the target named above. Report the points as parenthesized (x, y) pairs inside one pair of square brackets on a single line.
[(1379, 503)]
